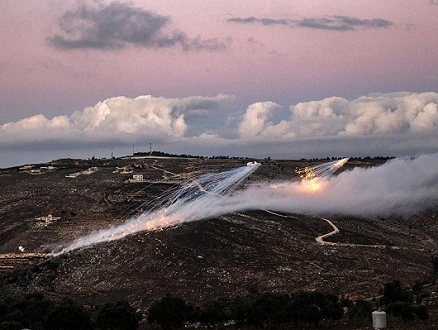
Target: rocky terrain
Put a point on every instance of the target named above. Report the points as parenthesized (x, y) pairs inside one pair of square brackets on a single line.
[(47, 206)]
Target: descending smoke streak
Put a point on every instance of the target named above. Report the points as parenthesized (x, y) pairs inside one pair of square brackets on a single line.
[(314, 177), (400, 187), (197, 199), (321, 171)]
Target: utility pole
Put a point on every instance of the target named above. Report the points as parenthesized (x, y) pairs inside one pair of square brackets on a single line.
[(150, 149)]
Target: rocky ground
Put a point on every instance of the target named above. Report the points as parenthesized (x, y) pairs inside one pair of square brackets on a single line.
[(206, 259)]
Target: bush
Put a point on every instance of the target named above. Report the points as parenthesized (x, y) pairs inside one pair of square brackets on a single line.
[(118, 316), (11, 325), (360, 310), (170, 311), (404, 310), (394, 292), (68, 316)]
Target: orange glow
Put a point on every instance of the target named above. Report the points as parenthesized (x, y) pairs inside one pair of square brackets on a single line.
[(310, 186)]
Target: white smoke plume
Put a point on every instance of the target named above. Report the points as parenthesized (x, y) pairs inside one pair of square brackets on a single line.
[(400, 187), (198, 199)]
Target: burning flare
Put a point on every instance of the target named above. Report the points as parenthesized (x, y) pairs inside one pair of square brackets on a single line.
[(198, 199), (314, 177)]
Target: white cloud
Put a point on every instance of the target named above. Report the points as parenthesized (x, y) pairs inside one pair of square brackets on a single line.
[(381, 124), (397, 113), (256, 118), (143, 116)]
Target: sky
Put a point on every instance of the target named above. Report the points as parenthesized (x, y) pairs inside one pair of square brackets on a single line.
[(284, 79)]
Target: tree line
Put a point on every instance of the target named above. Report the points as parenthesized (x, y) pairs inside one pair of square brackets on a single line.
[(35, 312), (255, 309), (271, 309)]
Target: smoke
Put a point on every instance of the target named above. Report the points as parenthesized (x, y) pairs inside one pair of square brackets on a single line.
[(198, 199), (400, 187)]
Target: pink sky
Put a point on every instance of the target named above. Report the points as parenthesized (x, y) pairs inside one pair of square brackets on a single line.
[(384, 46)]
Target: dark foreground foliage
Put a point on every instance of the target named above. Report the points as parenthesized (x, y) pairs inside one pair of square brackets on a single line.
[(254, 309), (38, 313)]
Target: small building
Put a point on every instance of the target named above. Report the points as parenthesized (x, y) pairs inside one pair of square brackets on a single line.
[(47, 219), (137, 178)]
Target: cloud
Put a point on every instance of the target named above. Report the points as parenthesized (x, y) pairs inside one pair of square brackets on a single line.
[(343, 23), (114, 119), (264, 21), (334, 23), (390, 124), (256, 118), (379, 114), (117, 25)]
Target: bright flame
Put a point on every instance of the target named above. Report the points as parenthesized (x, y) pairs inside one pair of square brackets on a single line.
[(198, 199), (321, 170), (314, 177), (311, 186)]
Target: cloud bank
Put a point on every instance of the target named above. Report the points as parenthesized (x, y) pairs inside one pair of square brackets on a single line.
[(116, 118), (333, 23), (379, 114), (392, 124), (117, 25)]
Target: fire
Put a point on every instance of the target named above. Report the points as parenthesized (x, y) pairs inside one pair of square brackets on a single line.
[(314, 178), (311, 186)]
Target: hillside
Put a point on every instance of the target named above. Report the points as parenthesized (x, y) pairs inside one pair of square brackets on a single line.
[(211, 258)]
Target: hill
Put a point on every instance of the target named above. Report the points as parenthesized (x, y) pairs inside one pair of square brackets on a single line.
[(48, 205)]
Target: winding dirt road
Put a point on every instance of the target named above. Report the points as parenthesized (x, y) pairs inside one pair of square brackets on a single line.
[(320, 239)]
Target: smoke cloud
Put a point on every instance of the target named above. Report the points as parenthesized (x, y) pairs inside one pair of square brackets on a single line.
[(400, 187)]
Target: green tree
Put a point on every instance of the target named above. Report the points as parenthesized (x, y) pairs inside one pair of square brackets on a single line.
[(11, 325), (68, 316), (35, 309), (394, 292), (360, 310), (214, 312), (332, 309), (262, 309), (306, 306), (118, 316), (170, 311), (402, 309), (422, 312)]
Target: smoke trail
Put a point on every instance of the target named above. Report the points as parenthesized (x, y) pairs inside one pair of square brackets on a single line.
[(400, 187), (198, 199), (321, 171)]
